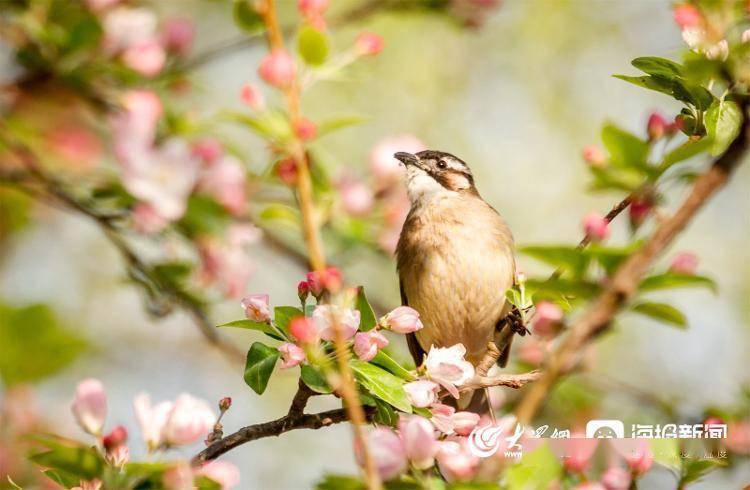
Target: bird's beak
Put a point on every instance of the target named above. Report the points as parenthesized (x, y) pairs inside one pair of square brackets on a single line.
[(406, 158)]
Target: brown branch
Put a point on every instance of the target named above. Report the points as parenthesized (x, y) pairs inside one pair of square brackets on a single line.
[(509, 380), (624, 284)]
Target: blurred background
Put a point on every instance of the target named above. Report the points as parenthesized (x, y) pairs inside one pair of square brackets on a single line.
[(517, 99)]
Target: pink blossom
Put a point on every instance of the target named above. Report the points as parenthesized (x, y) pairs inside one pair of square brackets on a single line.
[(305, 129), (687, 15), (178, 36), (226, 474), (357, 198), (616, 478), (596, 227), (287, 171), (589, 485), (422, 393), (146, 220), (368, 44), (385, 168), (303, 329), (442, 417), (179, 477), (636, 452), (116, 437), (227, 263), (291, 355), (125, 27), (326, 317), (403, 319), (531, 351), (684, 263), (225, 181), (464, 422), (312, 8), (189, 420), (329, 279), (447, 367), (94, 484), (575, 453), (367, 344), (90, 405), (208, 149), (277, 69), (257, 308), (547, 319), (387, 451), (151, 419), (303, 290), (251, 95), (420, 443), (146, 58), (118, 456), (456, 461), (78, 146), (134, 127), (594, 156), (99, 5), (738, 437)]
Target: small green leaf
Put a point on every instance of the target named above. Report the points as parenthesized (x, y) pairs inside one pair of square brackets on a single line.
[(658, 84), (685, 151), (367, 319), (658, 66), (312, 45), (339, 122), (577, 288), (382, 384), (385, 414), (694, 470), (261, 359), (282, 315), (389, 364), (625, 149), (340, 482), (671, 280), (280, 213), (661, 312), (314, 379), (82, 462), (537, 469), (251, 325), (723, 120), (204, 216), (558, 256), (246, 17)]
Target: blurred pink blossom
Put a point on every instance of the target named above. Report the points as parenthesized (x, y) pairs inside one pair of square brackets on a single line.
[(387, 451), (738, 437), (368, 44), (99, 5), (589, 485), (118, 456), (147, 58), (178, 35), (303, 329), (326, 316), (547, 319), (594, 156), (277, 69), (226, 474), (420, 443), (287, 171), (639, 210), (257, 307), (291, 355), (596, 227), (151, 419), (134, 128), (251, 95), (115, 437), (464, 422), (225, 180), (575, 453), (616, 478), (447, 367), (657, 126), (312, 8), (179, 477), (146, 220), (95, 484), (90, 405), (79, 147), (636, 452), (531, 351), (208, 149), (367, 344), (189, 421), (384, 166), (684, 263), (686, 15), (356, 197), (329, 279), (422, 393), (455, 460), (227, 263), (403, 319), (305, 129), (126, 27)]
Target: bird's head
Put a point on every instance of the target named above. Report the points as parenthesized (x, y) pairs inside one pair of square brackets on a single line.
[(431, 173)]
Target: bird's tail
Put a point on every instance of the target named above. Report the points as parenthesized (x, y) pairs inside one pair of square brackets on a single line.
[(474, 401)]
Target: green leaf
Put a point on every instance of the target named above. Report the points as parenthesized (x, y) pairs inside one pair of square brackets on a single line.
[(658, 66), (661, 312), (246, 17), (206, 483), (312, 45), (558, 256), (382, 384), (340, 482), (367, 319), (266, 328), (695, 469), (69, 460), (565, 287), (666, 452), (652, 83), (536, 470), (34, 329), (723, 120), (389, 364), (261, 360), (685, 151), (330, 125), (280, 213), (204, 216), (314, 379), (671, 280), (385, 414), (625, 149), (282, 315)]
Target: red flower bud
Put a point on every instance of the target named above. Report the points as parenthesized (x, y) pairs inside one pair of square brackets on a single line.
[(657, 126), (225, 403), (115, 438), (287, 171), (639, 210), (687, 16), (368, 44), (303, 290), (305, 129), (596, 227)]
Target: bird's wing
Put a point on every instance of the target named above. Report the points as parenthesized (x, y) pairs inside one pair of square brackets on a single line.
[(416, 350)]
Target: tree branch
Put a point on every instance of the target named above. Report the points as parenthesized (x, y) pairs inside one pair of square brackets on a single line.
[(624, 283)]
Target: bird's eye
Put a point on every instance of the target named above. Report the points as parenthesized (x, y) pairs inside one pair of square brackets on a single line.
[(441, 165)]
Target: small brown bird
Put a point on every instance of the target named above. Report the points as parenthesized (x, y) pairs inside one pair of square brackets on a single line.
[(455, 257)]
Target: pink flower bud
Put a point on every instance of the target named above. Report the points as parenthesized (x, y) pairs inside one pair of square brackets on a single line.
[(575, 453), (277, 69), (146, 219), (657, 126), (738, 437), (303, 290), (327, 280), (422, 393), (639, 210), (636, 452), (225, 403), (547, 319), (312, 8), (684, 263), (455, 460), (402, 320), (257, 308), (357, 198), (226, 474), (90, 405), (179, 35), (420, 443), (328, 317), (387, 451), (291, 355), (367, 344), (594, 156), (442, 417), (464, 422), (208, 149), (303, 329), (616, 478), (305, 129), (189, 421), (595, 227), (116, 437), (287, 172), (251, 95), (147, 58), (368, 44), (686, 15)]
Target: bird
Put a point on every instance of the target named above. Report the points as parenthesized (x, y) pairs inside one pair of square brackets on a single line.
[(455, 258)]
